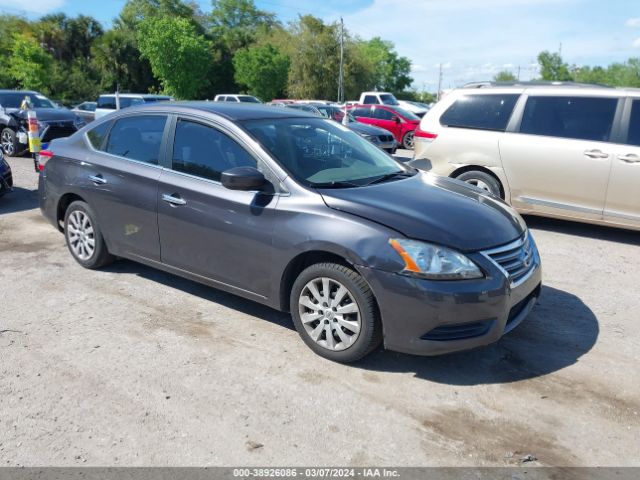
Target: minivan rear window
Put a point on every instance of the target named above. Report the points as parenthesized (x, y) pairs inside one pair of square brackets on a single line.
[(582, 118), (483, 112), (633, 137)]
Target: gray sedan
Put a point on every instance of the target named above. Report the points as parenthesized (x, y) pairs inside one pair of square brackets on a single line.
[(298, 213)]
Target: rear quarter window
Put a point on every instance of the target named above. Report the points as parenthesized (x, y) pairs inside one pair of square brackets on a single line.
[(483, 112), (97, 135), (107, 102), (581, 118)]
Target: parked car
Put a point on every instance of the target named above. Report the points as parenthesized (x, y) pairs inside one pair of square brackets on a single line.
[(561, 151), (396, 120), (378, 98), (236, 98), (299, 214), (86, 111), (6, 178), (107, 102), (413, 107), (53, 122), (378, 136), (303, 107)]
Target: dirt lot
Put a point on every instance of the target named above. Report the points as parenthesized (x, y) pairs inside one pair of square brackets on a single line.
[(131, 366)]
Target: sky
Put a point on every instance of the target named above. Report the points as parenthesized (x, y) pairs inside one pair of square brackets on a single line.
[(471, 39)]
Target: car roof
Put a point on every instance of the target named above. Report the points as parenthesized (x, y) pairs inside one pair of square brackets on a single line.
[(135, 95), (230, 111), (28, 92)]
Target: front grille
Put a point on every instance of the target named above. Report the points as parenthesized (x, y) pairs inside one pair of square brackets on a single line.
[(58, 131), (385, 138), (516, 259)]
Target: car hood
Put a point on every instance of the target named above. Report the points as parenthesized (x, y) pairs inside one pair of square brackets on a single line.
[(434, 209), (365, 129), (48, 114)]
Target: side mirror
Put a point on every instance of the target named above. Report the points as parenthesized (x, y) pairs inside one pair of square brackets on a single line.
[(243, 178), (396, 119)]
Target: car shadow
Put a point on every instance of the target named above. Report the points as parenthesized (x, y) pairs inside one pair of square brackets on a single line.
[(597, 232), (559, 330), (205, 292), (19, 200)]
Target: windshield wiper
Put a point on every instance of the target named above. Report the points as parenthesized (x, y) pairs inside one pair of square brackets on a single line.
[(391, 176), (336, 184)]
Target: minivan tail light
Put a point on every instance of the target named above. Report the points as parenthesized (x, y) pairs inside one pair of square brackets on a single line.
[(425, 136), (43, 157)]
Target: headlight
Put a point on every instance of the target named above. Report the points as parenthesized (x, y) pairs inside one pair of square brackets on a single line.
[(371, 138), (433, 261), (79, 123)]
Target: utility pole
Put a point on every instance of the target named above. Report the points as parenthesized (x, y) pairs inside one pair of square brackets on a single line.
[(341, 75), (439, 82), (518, 72)]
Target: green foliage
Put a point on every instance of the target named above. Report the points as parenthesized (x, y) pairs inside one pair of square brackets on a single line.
[(553, 68), (263, 70), (505, 76), (30, 65), (391, 72), (178, 55)]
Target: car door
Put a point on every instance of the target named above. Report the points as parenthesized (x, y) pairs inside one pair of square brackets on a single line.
[(558, 160), (389, 121), (623, 194), (206, 229), (121, 177)]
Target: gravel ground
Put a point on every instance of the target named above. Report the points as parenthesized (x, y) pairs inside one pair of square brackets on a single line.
[(131, 366)]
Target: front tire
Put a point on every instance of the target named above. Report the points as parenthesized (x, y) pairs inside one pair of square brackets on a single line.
[(9, 142), (84, 238), (482, 180), (335, 312)]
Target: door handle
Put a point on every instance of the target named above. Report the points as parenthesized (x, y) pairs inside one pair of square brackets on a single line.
[(596, 154), (98, 179), (630, 158), (173, 200)]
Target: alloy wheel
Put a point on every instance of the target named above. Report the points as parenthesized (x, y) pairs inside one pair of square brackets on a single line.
[(7, 143), (408, 140), (329, 314), (480, 184), (80, 235)]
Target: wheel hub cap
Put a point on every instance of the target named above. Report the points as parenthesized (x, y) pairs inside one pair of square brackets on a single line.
[(329, 314), (80, 235)]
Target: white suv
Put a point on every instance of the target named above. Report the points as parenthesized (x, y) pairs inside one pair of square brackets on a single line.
[(566, 151), (236, 98), (107, 102)]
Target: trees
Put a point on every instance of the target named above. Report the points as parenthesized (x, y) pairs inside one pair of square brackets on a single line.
[(391, 72), (553, 68), (178, 55), (505, 76), (30, 65), (263, 70)]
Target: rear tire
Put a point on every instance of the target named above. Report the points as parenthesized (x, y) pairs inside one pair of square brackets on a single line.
[(84, 238), (407, 140), (335, 312), (482, 180)]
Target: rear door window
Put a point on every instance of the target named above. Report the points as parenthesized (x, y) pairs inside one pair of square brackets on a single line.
[(633, 137), (137, 137), (483, 112), (370, 99), (362, 112), (107, 102), (582, 118)]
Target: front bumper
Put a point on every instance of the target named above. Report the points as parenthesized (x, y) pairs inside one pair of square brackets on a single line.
[(426, 317), (6, 179)]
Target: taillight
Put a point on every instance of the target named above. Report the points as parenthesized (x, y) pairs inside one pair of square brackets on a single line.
[(425, 136), (43, 157)]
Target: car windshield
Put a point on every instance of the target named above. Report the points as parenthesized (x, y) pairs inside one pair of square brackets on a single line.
[(388, 99), (323, 153), (406, 113), (248, 99), (14, 100)]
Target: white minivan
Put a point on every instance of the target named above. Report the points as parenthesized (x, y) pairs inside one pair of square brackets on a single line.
[(566, 151)]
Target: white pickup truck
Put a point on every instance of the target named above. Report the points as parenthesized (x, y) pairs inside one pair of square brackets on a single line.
[(378, 98)]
